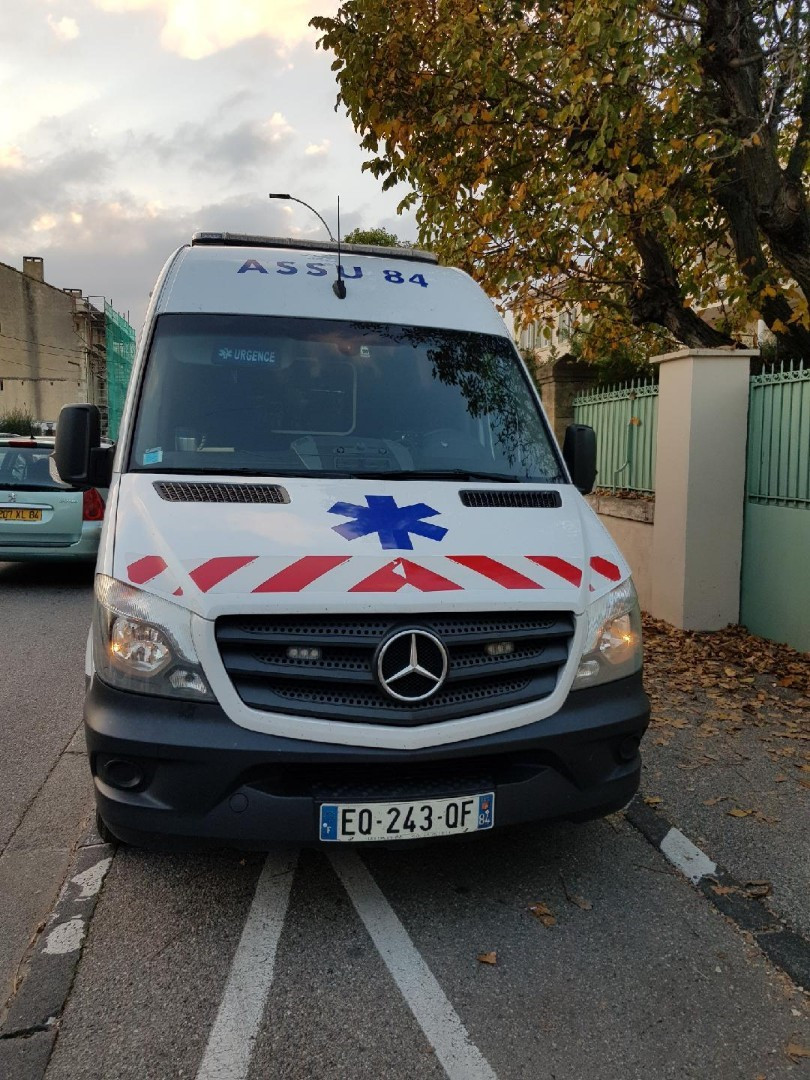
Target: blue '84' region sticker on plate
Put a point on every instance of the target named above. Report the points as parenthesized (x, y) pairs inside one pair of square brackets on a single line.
[(485, 811)]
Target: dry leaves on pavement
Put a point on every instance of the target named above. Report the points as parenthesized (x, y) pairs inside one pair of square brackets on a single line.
[(724, 682), (543, 913)]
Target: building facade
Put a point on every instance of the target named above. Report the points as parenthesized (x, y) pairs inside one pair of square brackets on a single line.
[(54, 345)]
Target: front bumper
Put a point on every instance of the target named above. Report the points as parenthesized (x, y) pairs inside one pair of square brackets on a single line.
[(205, 779)]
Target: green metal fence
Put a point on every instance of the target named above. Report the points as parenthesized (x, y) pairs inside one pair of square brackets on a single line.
[(775, 583), (779, 437), (625, 419), (120, 355)]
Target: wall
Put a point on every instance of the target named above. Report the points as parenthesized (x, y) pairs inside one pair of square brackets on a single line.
[(42, 357), (559, 382), (631, 524)]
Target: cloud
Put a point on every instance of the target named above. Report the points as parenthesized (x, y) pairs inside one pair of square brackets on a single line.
[(30, 195), (44, 223), (119, 246), (197, 28), (11, 157), (318, 149), (66, 29), (197, 145), (276, 129), (41, 101)]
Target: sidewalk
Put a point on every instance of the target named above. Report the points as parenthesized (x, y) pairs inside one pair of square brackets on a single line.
[(727, 756)]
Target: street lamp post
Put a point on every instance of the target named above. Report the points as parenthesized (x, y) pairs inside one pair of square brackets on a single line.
[(292, 198)]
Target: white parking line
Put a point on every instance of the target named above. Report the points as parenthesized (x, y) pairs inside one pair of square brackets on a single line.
[(690, 860), (435, 1015), (233, 1036)]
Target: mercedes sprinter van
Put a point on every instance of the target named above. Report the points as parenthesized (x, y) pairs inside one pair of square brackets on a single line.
[(348, 589)]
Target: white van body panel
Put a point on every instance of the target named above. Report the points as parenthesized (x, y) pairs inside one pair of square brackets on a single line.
[(274, 281), (222, 559), (216, 559)]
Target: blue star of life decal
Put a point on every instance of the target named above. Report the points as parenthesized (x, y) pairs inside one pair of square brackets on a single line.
[(393, 523)]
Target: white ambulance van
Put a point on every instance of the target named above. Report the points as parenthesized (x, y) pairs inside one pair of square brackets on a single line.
[(347, 588)]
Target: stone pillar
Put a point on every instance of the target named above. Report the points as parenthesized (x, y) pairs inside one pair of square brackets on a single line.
[(700, 486), (559, 382)]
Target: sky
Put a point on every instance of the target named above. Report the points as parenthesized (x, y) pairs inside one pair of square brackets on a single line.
[(127, 125)]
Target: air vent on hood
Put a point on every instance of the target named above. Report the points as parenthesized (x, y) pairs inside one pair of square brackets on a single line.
[(543, 500), (186, 491)]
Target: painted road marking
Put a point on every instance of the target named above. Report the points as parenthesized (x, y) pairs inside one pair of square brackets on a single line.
[(690, 860), (67, 937), (435, 1015), (233, 1036)]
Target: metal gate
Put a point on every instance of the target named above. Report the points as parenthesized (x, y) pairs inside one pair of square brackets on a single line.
[(775, 587)]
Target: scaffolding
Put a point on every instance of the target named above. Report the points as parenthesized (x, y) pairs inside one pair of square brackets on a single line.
[(120, 349)]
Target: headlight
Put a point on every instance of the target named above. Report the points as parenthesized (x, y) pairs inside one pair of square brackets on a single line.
[(612, 639), (143, 643)]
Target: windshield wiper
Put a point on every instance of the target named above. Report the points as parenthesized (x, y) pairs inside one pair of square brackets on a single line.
[(441, 474), (269, 473)]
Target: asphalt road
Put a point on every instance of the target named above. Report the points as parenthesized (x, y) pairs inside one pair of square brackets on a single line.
[(45, 788), (363, 963)]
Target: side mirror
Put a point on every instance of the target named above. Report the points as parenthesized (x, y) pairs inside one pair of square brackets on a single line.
[(579, 452), (80, 459)]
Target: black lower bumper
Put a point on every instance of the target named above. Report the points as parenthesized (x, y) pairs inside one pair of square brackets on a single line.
[(172, 773)]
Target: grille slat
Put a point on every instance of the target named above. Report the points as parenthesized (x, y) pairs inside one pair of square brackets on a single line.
[(451, 631), (535, 500), (342, 683), (204, 492)]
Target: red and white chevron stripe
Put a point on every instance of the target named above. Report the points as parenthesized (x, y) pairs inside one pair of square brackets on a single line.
[(337, 573)]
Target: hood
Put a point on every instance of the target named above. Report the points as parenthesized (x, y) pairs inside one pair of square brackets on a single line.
[(359, 545)]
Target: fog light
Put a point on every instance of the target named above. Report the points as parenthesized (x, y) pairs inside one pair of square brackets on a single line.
[(500, 648), (121, 773), (188, 680), (299, 652)]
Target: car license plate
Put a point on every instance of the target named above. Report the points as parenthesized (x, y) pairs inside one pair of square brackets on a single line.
[(19, 513), (357, 822)]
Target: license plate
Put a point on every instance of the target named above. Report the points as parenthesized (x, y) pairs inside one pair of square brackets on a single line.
[(357, 822), (19, 513)]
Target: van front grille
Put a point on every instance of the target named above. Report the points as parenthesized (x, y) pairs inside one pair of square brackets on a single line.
[(536, 500), (185, 491), (263, 657)]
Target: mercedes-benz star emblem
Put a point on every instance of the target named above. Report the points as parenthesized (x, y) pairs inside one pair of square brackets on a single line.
[(412, 665)]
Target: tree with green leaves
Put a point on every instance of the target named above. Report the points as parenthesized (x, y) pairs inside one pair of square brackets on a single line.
[(646, 159), (381, 237)]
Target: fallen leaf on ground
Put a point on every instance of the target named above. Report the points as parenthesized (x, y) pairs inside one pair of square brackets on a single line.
[(572, 898), (652, 800), (543, 913), (487, 958), (758, 889), (795, 1051), (580, 902), (736, 812), (717, 799), (724, 890)]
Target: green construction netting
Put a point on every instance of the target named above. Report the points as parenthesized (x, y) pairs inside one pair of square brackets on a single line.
[(120, 355)]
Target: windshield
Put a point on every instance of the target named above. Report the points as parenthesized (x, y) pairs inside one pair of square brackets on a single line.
[(27, 468), (282, 396)]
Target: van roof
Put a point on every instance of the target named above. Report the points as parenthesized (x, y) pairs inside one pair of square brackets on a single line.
[(245, 240), (225, 273)]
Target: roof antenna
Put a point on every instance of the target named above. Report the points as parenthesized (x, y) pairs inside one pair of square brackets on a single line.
[(339, 286)]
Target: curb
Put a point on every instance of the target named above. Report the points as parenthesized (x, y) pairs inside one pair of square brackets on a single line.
[(784, 947), (29, 1029)]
